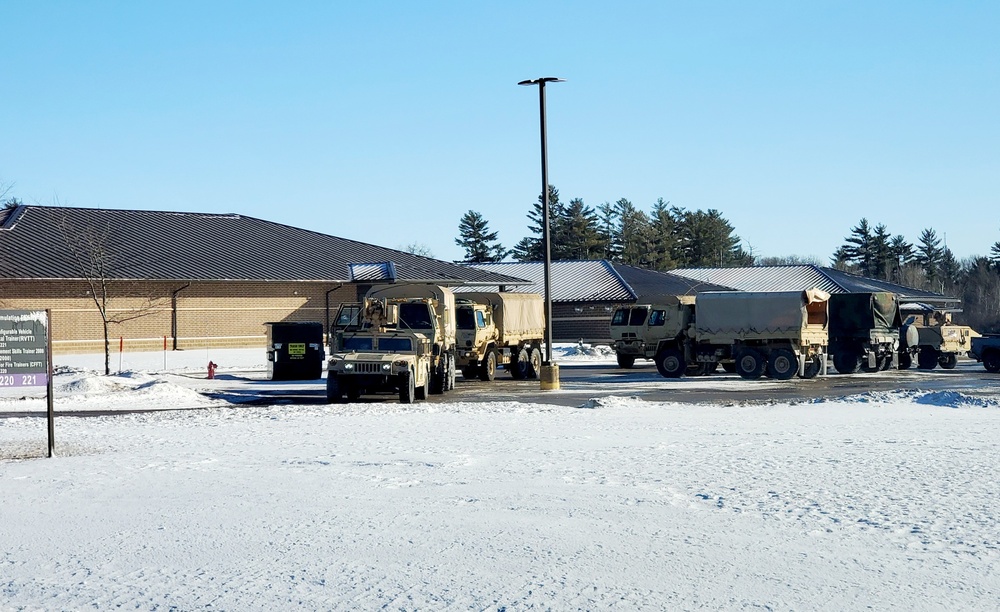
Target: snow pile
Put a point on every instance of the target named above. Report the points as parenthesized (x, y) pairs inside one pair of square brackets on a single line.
[(944, 399), (582, 352), (86, 390)]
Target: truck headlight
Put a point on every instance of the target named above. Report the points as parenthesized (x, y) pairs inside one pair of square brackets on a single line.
[(348, 366), (386, 367)]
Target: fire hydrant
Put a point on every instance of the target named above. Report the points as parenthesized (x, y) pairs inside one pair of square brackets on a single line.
[(211, 369)]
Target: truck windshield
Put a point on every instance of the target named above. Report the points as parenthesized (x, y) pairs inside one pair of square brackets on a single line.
[(620, 317), (638, 316), (357, 343), (464, 319), (395, 345), (658, 317)]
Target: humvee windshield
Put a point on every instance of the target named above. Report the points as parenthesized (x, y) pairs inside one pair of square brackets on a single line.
[(348, 316), (355, 343), (395, 345)]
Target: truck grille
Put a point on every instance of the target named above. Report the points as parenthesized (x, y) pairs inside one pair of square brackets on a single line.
[(363, 367)]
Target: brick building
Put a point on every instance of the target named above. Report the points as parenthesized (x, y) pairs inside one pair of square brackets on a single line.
[(187, 280)]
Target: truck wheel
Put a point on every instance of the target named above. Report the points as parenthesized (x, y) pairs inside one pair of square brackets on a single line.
[(519, 365), (813, 367), (884, 362), (535, 363), (407, 392), (750, 364), (625, 361), (438, 375), (670, 363), (948, 361), (905, 360), (847, 361), (424, 390), (927, 358), (334, 394), (991, 361), (488, 370), (783, 364)]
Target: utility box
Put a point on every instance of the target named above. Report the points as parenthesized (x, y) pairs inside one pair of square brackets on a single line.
[(295, 350)]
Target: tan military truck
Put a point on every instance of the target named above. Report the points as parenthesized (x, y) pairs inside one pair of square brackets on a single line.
[(499, 329), (642, 331), (401, 337), (939, 341), (778, 333), (782, 333)]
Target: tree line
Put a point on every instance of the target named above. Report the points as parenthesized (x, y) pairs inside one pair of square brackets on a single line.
[(669, 237), (665, 238)]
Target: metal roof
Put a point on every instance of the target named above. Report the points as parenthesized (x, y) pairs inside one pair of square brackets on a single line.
[(795, 278), (600, 281), (35, 244), (571, 281)]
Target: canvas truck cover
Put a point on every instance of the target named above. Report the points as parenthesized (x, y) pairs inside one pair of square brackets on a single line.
[(517, 316), (445, 300), (854, 313), (760, 315)]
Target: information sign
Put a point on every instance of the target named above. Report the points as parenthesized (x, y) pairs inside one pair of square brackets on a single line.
[(23, 348)]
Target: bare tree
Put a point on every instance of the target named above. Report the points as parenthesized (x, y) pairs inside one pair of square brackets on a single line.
[(107, 277)]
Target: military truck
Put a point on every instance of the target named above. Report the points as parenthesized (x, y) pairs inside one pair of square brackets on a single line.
[(939, 341), (865, 332), (987, 350), (499, 329), (400, 338), (641, 331), (780, 333)]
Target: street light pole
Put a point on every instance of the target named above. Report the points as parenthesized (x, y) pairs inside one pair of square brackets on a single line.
[(550, 372)]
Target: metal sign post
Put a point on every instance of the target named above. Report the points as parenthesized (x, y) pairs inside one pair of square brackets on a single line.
[(25, 350)]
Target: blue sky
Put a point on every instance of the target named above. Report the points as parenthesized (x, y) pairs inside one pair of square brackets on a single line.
[(385, 122)]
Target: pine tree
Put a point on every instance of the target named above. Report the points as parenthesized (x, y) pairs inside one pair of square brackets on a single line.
[(634, 233), (480, 244), (578, 233), (663, 237), (531, 248), (929, 256), (706, 239), (858, 248)]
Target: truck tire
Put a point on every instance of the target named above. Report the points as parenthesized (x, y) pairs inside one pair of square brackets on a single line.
[(991, 361), (750, 364), (782, 364), (535, 363), (334, 394), (948, 361), (625, 361), (927, 358), (670, 363), (407, 392), (488, 369), (813, 366), (519, 365), (439, 376), (905, 360), (847, 361)]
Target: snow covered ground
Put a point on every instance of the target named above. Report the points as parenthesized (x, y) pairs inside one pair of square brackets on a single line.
[(883, 501)]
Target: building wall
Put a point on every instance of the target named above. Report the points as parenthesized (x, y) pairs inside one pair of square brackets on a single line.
[(185, 316), (586, 321)]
